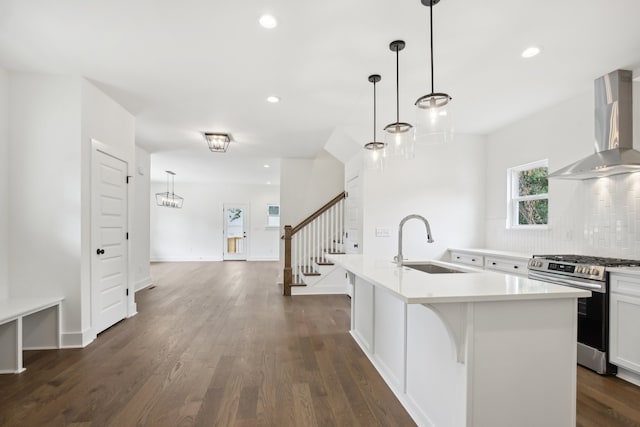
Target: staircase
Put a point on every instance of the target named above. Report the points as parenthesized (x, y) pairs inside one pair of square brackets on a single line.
[(306, 270)]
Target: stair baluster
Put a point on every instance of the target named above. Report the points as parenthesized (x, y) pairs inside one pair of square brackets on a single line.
[(308, 241)]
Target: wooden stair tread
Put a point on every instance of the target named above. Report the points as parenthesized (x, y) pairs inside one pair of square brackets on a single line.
[(297, 281), (335, 253), (309, 271), (323, 261)]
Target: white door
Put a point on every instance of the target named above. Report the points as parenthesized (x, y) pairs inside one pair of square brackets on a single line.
[(353, 217), (109, 241), (236, 241)]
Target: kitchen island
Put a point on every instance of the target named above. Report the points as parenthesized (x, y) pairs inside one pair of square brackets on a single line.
[(471, 348)]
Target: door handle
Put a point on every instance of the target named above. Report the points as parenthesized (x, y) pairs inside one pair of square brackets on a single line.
[(100, 251), (355, 245)]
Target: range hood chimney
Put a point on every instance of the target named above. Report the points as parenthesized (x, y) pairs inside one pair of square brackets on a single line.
[(614, 137)]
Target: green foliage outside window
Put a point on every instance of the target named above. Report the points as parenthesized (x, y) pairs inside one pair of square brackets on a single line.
[(532, 182)]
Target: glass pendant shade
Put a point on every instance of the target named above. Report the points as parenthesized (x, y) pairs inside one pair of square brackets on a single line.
[(400, 140), (169, 199), (375, 155), (434, 120)]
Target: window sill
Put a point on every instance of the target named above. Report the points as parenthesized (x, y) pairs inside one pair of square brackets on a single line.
[(529, 227)]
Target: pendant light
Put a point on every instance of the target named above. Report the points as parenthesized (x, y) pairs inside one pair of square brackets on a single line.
[(375, 149), (399, 135), (433, 112), (169, 199)]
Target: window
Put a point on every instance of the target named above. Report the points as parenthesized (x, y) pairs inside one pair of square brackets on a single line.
[(273, 215), (528, 198)]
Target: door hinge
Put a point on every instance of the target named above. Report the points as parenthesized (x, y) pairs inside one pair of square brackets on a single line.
[(127, 291), (127, 235), (129, 176)]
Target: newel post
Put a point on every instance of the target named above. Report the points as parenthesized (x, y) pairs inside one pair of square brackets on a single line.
[(287, 276)]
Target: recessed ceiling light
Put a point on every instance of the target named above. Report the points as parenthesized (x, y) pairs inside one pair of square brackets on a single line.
[(273, 99), (267, 166), (530, 52), (268, 182), (268, 21)]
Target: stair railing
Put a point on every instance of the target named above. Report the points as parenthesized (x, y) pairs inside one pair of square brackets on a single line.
[(320, 232)]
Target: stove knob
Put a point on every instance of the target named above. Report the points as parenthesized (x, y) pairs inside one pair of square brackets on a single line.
[(580, 269), (593, 271)]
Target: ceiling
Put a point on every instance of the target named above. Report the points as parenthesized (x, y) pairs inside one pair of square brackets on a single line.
[(183, 67)]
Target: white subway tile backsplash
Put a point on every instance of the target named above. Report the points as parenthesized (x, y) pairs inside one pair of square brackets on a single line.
[(603, 219)]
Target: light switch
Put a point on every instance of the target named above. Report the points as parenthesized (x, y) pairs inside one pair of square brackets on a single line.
[(382, 232)]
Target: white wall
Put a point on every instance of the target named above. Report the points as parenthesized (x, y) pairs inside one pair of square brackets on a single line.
[(443, 183), (141, 217), (52, 121), (194, 233), (45, 178), (307, 184), (594, 217), (4, 184)]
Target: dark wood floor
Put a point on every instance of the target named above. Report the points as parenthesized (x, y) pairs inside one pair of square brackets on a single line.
[(216, 344)]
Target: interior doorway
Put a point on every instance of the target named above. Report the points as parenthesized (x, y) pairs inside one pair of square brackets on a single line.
[(109, 266), (236, 224)]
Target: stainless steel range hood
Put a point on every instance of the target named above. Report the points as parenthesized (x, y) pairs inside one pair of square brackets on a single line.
[(614, 137)]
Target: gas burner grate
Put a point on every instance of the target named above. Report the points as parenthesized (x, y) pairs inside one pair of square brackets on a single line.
[(590, 260)]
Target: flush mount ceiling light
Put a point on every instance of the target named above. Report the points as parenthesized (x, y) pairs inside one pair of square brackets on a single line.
[(433, 115), (218, 142), (273, 99), (530, 52), (399, 134), (375, 148), (169, 199), (268, 21)]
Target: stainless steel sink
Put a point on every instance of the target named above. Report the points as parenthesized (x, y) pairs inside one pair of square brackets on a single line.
[(430, 268)]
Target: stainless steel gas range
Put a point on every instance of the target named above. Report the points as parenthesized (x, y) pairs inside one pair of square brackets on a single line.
[(590, 273)]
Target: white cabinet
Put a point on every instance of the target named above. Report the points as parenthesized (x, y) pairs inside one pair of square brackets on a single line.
[(504, 262), (506, 265), (624, 334), (469, 259)]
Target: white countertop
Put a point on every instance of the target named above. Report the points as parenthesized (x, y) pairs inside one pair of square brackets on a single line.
[(504, 254), (417, 287)]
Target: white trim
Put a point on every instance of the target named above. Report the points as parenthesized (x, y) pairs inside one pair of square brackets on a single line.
[(513, 200), (186, 259), (264, 259), (77, 339)]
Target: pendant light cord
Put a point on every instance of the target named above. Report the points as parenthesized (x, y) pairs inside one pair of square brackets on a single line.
[(431, 33), (374, 111), (397, 85)]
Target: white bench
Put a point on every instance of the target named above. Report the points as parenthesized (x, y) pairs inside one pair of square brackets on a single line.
[(27, 324)]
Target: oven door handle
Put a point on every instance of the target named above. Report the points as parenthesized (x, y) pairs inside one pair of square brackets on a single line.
[(568, 282)]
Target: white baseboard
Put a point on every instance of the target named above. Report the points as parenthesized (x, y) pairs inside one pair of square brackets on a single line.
[(319, 290), (628, 376), (77, 339), (143, 283), (263, 259), (186, 259)]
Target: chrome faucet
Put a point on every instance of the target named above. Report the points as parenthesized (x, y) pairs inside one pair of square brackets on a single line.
[(398, 258)]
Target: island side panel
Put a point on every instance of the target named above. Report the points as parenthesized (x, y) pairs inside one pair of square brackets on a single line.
[(522, 362), (362, 314), (389, 325), (436, 382)]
